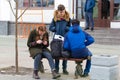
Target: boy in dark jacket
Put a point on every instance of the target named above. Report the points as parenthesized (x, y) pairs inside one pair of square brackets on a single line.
[(76, 41), (38, 42)]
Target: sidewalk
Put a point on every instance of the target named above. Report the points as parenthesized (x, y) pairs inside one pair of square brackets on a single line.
[(7, 58)]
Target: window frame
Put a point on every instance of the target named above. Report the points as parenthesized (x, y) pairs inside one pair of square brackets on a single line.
[(36, 7), (112, 11)]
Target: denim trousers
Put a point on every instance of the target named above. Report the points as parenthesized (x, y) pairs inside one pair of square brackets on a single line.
[(88, 66), (64, 64), (39, 57), (89, 19)]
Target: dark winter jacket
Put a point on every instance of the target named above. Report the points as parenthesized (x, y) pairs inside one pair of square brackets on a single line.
[(35, 48), (60, 26), (89, 5), (76, 41)]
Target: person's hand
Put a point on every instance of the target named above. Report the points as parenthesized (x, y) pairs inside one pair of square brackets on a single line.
[(39, 41), (45, 42)]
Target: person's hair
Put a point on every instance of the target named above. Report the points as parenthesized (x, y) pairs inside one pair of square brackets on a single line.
[(61, 7), (41, 28), (75, 21)]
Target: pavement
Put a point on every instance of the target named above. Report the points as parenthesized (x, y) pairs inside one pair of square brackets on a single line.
[(7, 58)]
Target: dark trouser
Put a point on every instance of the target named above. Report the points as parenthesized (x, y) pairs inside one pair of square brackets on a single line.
[(89, 19), (64, 64), (88, 66)]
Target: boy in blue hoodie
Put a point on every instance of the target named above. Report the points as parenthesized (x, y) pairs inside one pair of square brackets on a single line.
[(76, 41)]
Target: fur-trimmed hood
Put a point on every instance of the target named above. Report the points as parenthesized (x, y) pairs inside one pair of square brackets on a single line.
[(66, 16)]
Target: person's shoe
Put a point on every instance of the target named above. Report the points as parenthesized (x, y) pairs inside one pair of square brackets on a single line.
[(92, 29), (86, 28), (85, 75), (76, 77), (35, 74), (65, 72), (55, 75)]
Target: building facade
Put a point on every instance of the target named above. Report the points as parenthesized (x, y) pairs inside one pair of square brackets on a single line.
[(41, 11)]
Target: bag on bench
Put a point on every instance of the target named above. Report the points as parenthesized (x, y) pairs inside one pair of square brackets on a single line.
[(56, 48)]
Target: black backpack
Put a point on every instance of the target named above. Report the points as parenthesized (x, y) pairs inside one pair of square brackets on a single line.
[(56, 48)]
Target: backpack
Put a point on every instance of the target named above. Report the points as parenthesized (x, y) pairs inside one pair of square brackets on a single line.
[(56, 48)]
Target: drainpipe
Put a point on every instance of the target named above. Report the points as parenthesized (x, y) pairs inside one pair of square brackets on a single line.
[(73, 9)]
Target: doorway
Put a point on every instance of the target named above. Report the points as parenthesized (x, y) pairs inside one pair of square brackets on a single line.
[(101, 18)]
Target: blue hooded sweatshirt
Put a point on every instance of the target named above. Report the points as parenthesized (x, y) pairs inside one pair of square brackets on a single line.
[(76, 41), (89, 5)]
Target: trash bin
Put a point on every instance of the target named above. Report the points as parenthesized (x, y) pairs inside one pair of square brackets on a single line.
[(104, 67)]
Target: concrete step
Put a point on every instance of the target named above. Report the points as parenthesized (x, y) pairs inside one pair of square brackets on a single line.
[(106, 36), (107, 42)]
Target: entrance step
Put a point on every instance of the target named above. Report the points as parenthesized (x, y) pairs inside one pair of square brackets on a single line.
[(106, 36)]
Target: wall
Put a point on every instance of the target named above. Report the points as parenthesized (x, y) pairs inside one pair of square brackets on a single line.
[(115, 25), (3, 27), (7, 15), (35, 15), (5, 11)]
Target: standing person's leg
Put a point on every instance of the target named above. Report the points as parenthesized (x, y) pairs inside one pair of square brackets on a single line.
[(64, 64), (91, 21), (36, 66), (57, 65), (86, 21), (51, 63)]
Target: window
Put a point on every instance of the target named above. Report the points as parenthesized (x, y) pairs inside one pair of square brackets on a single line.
[(116, 13), (80, 9), (37, 3)]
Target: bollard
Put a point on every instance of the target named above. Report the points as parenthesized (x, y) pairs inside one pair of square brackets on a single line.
[(104, 67)]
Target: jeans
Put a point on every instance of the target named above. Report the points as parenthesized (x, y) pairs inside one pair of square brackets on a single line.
[(88, 66), (89, 19), (39, 57), (64, 64)]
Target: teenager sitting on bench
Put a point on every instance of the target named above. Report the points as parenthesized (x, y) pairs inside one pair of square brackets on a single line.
[(76, 41)]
